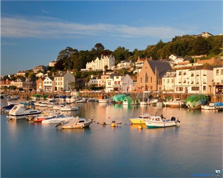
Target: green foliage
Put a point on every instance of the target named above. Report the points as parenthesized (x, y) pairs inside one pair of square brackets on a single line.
[(187, 45), (121, 54)]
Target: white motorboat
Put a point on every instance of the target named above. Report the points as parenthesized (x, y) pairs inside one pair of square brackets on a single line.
[(76, 123), (68, 108), (160, 122), (57, 119), (20, 112), (211, 106)]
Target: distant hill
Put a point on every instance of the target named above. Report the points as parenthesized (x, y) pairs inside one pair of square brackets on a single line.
[(184, 46)]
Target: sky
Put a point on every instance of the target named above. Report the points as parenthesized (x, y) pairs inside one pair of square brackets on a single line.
[(34, 32)]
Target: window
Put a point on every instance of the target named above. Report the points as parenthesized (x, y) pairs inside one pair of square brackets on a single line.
[(195, 88), (168, 81), (151, 79), (217, 72), (146, 78), (141, 79), (180, 73), (221, 71), (204, 88)]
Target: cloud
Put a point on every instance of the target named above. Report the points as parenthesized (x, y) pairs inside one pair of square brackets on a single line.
[(50, 28)]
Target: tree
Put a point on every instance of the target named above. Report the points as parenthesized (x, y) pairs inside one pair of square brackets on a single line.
[(59, 65), (201, 46), (99, 47)]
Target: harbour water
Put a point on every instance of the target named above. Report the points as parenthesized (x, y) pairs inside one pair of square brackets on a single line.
[(37, 150)]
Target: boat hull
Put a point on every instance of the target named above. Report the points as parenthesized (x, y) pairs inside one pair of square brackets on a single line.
[(161, 124), (138, 121)]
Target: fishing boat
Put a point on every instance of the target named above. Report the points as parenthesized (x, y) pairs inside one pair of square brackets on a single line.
[(57, 119), (160, 122), (210, 106), (141, 119), (20, 112), (76, 123), (176, 103), (195, 101)]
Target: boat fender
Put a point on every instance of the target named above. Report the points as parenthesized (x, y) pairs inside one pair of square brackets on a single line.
[(140, 127), (113, 125)]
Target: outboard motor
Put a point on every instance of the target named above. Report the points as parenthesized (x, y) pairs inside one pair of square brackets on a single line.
[(173, 118)]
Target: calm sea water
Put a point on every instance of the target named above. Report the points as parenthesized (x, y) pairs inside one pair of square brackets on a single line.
[(191, 150)]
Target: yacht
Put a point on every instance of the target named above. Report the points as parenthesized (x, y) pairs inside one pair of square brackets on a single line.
[(20, 112)]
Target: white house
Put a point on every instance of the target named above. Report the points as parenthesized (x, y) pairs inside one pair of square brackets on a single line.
[(99, 64), (194, 81), (168, 81), (218, 80), (175, 59), (116, 82), (206, 34), (52, 63), (126, 84), (62, 81), (48, 84), (124, 64)]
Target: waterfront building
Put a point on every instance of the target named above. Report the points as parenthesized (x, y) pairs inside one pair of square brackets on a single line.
[(150, 77), (194, 81), (113, 83), (39, 84), (168, 82), (24, 83), (99, 64), (63, 80), (95, 81), (126, 84), (218, 80), (39, 68), (48, 84)]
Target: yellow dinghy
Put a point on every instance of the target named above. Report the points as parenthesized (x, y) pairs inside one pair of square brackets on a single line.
[(141, 119)]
